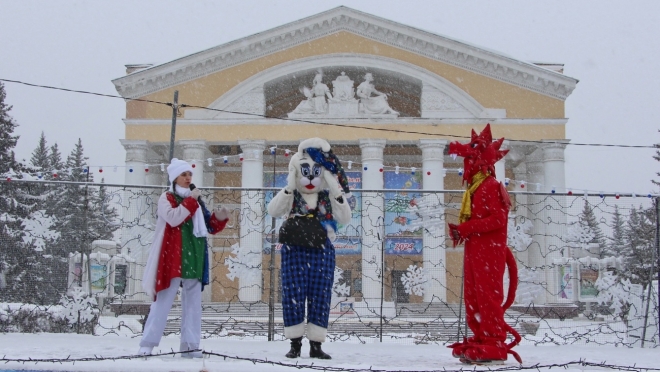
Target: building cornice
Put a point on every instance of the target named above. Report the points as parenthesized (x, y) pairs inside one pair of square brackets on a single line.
[(348, 121), (433, 46)]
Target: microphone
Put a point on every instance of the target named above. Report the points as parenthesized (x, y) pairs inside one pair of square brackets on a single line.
[(192, 187)]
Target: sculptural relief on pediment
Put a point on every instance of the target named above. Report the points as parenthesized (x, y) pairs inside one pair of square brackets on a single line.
[(345, 100), (344, 92)]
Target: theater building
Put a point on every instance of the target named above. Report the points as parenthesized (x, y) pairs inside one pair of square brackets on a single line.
[(389, 98)]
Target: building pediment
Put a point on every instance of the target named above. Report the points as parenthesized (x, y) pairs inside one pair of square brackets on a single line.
[(411, 92), (429, 45)]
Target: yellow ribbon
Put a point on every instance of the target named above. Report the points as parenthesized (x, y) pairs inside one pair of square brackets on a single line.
[(466, 204)]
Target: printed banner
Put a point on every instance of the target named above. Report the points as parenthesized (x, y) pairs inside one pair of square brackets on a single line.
[(400, 216), (400, 246)]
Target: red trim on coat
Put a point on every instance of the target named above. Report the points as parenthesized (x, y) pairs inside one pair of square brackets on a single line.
[(169, 262), (216, 225)]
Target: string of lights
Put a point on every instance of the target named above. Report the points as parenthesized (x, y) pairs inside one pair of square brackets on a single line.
[(184, 105), (521, 185)]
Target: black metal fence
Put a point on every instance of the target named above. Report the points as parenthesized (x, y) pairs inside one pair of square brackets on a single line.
[(73, 254)]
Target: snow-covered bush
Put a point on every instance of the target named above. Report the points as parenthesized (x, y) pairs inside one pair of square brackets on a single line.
[(615, 293), (28, 318), (79, 306)]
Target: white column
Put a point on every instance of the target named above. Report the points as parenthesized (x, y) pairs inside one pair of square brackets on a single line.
[(138, 212), (555, 214), (538, 248), (252, 205), (432, 210), (500, 166), (193, 152), (553, 165), (522, 212), (373, 215), (136, 160)]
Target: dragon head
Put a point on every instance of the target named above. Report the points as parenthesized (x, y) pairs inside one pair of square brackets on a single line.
[(480, 154)]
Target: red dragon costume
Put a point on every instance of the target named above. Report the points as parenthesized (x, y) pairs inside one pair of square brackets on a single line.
[(483, 228)]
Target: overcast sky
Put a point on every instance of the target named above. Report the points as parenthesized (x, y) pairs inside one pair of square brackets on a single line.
[(612, 47)]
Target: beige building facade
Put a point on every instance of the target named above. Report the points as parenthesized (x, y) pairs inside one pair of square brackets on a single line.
[(382, 93)]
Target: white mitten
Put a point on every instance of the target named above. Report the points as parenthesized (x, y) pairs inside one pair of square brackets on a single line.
[(222, 213), (333, 184), (291, 179), (195, 194)]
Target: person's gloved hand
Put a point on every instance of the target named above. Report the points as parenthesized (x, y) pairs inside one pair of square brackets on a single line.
[(291, 179), (456, 237), (333, 184), (196, 193), (222, 213)]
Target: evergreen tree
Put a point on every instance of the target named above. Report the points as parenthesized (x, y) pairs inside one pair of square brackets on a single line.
[(70, 211), (20, 261), (588, 219), (7, 139), (618, 240), (102, 221), (640, 243), (55, 161), (40, 160), (657, 157)]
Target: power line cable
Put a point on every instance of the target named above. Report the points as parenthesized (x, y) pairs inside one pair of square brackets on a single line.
[(318, 122)]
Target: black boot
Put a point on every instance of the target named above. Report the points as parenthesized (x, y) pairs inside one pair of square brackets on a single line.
[(316, 352), (296, 345)]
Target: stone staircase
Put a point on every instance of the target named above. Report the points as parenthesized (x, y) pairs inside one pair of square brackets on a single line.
[(423, 322)]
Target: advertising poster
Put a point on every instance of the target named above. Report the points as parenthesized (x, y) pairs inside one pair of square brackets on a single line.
[(349, 239), (565, 277), (587, 277), (121, 273), (400, 218), (99, 274)]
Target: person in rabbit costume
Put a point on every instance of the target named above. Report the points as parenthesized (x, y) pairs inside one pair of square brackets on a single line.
[(482, 226), (314, 201)]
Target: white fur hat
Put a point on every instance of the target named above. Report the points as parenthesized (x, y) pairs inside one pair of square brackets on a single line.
[(177, 167), (317, 143)]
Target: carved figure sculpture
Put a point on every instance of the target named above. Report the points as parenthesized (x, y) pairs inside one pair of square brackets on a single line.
[(316, 98), (483, 228), (313, 203), (342, 88), (372, 105)]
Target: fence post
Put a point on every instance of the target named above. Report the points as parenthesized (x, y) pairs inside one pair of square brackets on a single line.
[(652, 271), (271, 267)]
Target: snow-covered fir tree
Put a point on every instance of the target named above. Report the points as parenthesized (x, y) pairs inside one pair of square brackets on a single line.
[(7, 138), (640, 243), (103, 218), (657, 157), (55, 161), (40, 161), (587, 231), (20, 262), (71, 211), (617, 242)]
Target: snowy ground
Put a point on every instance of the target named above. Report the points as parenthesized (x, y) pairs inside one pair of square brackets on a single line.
[(350, 355)]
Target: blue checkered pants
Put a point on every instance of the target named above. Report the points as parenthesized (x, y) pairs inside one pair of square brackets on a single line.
[(307, 278)]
